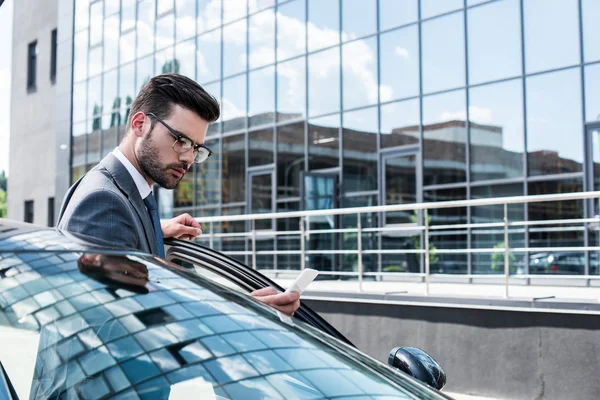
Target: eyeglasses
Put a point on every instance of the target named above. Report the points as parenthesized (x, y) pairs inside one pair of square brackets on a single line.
[(183, 143)]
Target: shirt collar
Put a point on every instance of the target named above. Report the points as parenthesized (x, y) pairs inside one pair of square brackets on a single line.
[(139, 180)]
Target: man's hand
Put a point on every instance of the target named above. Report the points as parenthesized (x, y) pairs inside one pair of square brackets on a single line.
[(181, 227), (286, 302)]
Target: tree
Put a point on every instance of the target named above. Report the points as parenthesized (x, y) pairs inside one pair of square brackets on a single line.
[(3, 181), (498, 259), (2, 203)]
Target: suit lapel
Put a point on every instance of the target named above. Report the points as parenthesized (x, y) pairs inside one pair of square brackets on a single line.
[(125, 182)]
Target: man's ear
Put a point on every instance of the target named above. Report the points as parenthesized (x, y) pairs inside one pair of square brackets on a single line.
[(138, 124)]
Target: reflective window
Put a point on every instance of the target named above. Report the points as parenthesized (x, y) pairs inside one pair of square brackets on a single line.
[(234, 48), (207, 175), (185, 11), (291, 29), (126, 90), (324, 82), (127, 47), (551, 34), (165, 31), (208, 56), (359, 18), (494, 41), (79, 145), (591, 41), (82, 15), (554, 131), (81, 56), (444, 138), (256, 5), (323, 24), (184, 191), (360, 73), (111, 42), (262, 39), (290, 159), (233, 106), (145, 71), (110, 99), (95, 61), (185, 56), (163, 6), (215, 90), (399, 63), (262, 96), (233, 10), (94, 102), (111, 7), (291, 89), (430, 8), (234, 169), (400, 123), (260, 147), (209, 14), (79, 101), (399, 176), (592, 92), (145, 27), (128, 14), (323, 142), (165, 61), (96, 19), (443, 53), (496, 125), (360, 150), (393, 13)]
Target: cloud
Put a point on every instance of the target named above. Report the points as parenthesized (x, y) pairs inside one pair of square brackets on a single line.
[(402, 52), (478, 114)]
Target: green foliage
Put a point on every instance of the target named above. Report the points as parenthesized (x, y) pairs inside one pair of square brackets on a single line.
[(171, 66), (498, 259), (433, 258), (2, 203), (3, 181)]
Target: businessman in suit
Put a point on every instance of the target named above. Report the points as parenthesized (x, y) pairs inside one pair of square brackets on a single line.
[(165, 135)]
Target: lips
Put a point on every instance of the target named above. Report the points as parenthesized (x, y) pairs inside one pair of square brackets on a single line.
[(179, 172)]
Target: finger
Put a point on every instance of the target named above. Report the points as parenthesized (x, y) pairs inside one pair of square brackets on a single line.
[(186, 219), (282, 299), (266, 291), (188, 231)]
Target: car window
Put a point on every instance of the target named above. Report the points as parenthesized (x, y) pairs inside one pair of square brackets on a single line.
[(128, 327), (207, 273)]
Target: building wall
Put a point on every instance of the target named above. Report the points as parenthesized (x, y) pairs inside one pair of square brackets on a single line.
[(32, 165)]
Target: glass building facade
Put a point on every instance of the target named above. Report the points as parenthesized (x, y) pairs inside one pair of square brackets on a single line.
[(345, 103)]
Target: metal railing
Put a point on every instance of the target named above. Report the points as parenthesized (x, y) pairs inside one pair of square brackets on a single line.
[(422, 227)]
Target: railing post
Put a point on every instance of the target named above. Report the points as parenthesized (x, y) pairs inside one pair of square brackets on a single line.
[(254, 244), (360, 261), (212, 236), (506, 251), (302, 245), (426, 222)]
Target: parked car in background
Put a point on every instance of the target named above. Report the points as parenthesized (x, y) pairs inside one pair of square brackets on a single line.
[(81, 319), (560, 263)]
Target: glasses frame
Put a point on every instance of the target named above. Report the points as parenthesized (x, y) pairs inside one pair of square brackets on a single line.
[(178, 136)]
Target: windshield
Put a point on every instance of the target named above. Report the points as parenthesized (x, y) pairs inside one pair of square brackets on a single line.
[(102, 326)]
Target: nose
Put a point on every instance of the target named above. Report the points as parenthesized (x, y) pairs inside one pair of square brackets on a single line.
[(187, 157)]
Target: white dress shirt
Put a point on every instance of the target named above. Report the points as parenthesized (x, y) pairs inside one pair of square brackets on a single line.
[(139, 180)]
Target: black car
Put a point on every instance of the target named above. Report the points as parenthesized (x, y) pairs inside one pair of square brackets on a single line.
[(83, 320)]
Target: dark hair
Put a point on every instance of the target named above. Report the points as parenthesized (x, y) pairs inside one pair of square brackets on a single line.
[(160, 93)]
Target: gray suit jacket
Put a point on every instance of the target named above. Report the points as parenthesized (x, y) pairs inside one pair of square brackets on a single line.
[(106, 204)]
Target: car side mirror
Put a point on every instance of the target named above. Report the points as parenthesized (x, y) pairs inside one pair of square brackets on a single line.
[(418, 364)]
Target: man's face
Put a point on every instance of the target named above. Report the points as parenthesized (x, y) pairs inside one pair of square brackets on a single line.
[(156, 156)]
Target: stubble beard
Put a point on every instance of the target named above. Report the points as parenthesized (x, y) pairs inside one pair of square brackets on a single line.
[(149, 160)]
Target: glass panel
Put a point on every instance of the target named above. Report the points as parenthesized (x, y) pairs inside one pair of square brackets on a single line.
[(552, 34), (126, 89), (110, 99), (262, 39), (208, 56), (262, 202), (444, 138), (96, 19), (430, 8), (145, 71), (186, 19), (233, 107), (360, 150), (165, 61), (554, 129), (288, 242), (400, 180), (261, 109), (443, 53), (360, 73), (400, 123), (260, 147), (145, 27), (323, 142), (291, 89), (290, 159), (184, 191), (234, 169), (496, 125), (209, 14), (359, 18), (165, 31), (128, 14), (111, 42), (494, 41), (94, 102), (592, 92), (291, 29), (591, 41), (394, 13), (95, 62), (81, 56), (233, 243), (595, 153), (185, 54), (127, 47), (79, 102), (79, 145), (163, 6), (323, 24), (234, 48), (489, 238), (82, 14), (256, 5), (370, 240), (109, 137), (233, 10), (207, 176), (324, 82), (399, 64), (555, 262), (442, 239)]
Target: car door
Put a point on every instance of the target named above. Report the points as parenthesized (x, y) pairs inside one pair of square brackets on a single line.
[(233, 274)]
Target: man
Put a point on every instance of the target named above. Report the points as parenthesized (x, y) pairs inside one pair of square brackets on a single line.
[(165, 134)]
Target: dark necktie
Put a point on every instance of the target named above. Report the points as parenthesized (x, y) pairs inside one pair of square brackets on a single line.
[(150, 202)]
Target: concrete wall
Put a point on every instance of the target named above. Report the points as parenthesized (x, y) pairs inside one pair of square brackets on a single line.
[(33, 115), (501, 354)]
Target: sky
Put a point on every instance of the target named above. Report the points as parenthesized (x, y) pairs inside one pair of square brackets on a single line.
[(6, 11)]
